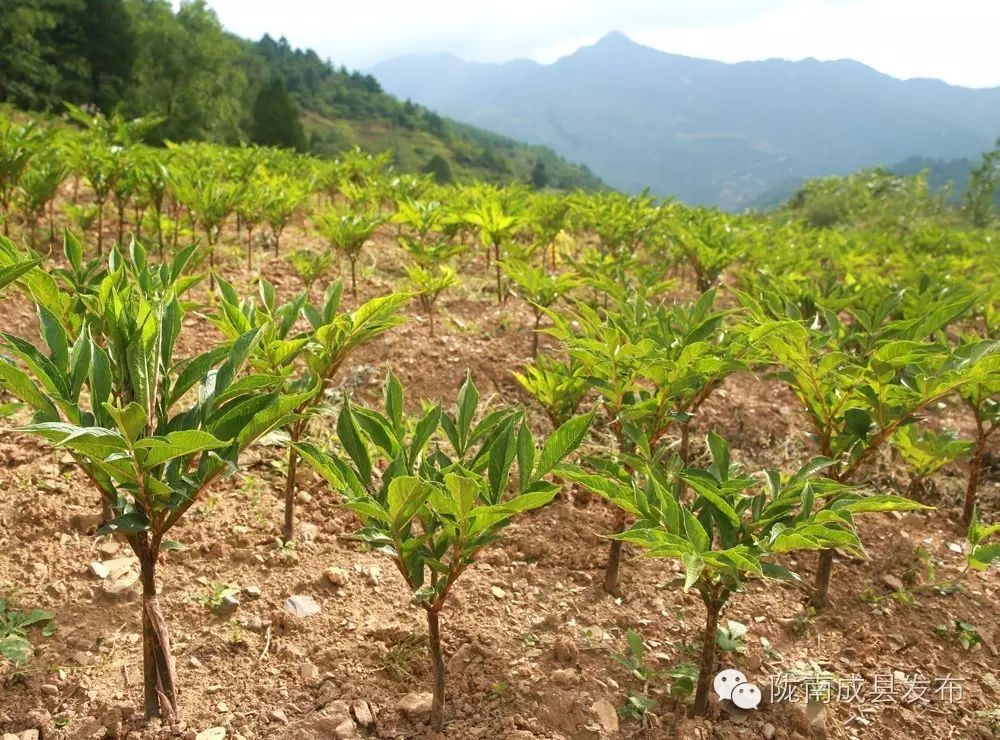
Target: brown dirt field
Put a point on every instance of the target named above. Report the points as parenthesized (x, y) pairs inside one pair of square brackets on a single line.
[(529, 633)]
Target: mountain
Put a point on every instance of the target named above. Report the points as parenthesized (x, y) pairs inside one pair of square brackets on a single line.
[(702, 130)]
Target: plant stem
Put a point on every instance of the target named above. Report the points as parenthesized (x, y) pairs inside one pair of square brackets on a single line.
[(713, 605), (824, 570), (437, 658), (612, 571), (975, 468), (159, 679), (288, 531)]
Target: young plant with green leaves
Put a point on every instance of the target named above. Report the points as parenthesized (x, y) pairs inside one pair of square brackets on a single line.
[(428, 285), (498, 219), (38, 188), (347, 230), (432, 494), (18, 144), (558, 386), (152, 432), (304, 362), (733, 526), (15, 626), (859, 379), (654, 366), (982, 546), (540, 288), (925, 452), (709, 242), (982, 398), (310, 265)]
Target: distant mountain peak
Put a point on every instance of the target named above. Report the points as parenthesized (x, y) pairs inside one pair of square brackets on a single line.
[(614, 38), (702, 130)]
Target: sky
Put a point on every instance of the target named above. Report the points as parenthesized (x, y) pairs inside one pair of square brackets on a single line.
[(953, 40)]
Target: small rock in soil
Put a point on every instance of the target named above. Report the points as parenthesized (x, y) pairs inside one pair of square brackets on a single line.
[(212, 733), (892, 582), (228, 606), (336, 576), (99, 569), (363, 713), (278, 715), (301, 606), (498, 593), (769, 731), (252, 592), (416, 704), (606, 715), (566, 651), (308, 671)]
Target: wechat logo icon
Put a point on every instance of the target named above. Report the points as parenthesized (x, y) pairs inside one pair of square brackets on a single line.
[(732, 685)]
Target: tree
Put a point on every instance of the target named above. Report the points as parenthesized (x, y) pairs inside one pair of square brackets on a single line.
[(539, 175), (276, 117), (981, 193), (438, 167)]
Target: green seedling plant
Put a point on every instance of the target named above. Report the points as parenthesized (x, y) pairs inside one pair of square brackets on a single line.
[(305, 362), (539, 288), (347, 230), (37, 189), (15, 629), (558, 386), (925, 452), (982, 544), (965, 634), (982, 398), (861, 379), (310, 266), (217, 596), (428, 285), (734, 525), (431, 495), (18, 144), (152, 432), (498, 222), (638, 703), (654, 366), (731, 637)]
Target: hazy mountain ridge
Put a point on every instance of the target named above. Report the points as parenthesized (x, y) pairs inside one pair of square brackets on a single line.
[(703, 130)]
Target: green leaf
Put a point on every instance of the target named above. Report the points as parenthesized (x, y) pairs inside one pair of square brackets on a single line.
[(563, 441), (16, 649), (406, 494), (19, 385), (55, 338), (525, 456), (273, 416), (693, 567), (177, 444), (131, 420), (468, 401), (353, 444)]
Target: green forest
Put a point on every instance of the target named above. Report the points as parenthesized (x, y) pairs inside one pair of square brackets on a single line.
[(141, 58)]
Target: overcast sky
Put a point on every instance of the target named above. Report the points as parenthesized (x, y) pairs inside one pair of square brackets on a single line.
[(955, 40)]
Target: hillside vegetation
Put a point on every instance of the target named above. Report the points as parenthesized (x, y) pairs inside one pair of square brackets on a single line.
[(201, 83)]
